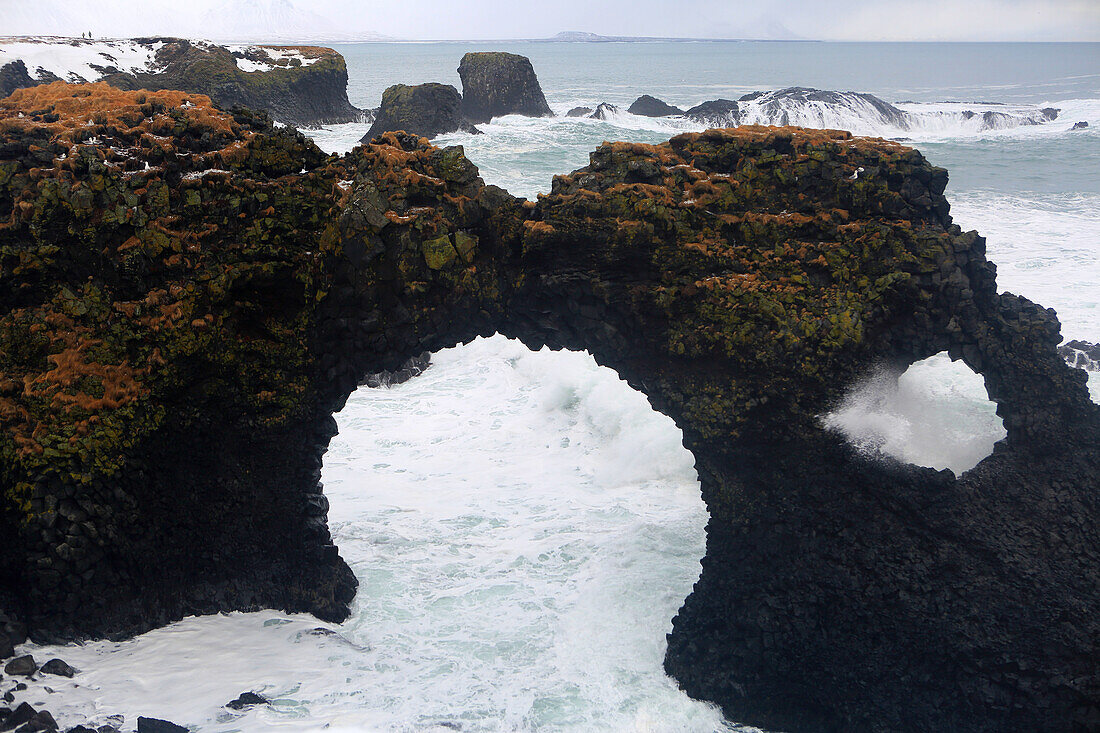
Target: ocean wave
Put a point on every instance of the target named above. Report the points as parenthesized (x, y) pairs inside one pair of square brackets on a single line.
[(866, 114)]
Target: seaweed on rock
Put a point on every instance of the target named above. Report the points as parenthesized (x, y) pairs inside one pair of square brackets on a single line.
[(188, 295)]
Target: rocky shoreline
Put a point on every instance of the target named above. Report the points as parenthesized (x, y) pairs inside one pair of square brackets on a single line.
[(188, 295), (305, 86)]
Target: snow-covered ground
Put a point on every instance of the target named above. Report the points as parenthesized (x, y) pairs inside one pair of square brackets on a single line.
[(249, 58), (77, 60), (83, 60)]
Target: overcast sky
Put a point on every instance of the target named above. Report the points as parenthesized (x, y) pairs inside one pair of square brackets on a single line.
[(947, 20)]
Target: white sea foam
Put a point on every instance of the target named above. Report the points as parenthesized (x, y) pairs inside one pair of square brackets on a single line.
[(936, 414), (524, 527), (1046, 247)]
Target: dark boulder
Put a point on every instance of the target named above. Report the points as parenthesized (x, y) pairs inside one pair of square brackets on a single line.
[(22, 714), (58, 667), (23, 666), (425, 109), (648, 106), (1082, 125), (495, 84), (715, 113), (579, 112), (247, 700), (605, 111), (154, 725)]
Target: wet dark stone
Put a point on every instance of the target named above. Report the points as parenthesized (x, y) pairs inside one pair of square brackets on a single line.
[(715, 113), (648, 106), (23, 666), (605, 111), (58, 667), (1082, 125), (154, 725), (18, 717), (412, 367), (579, 112), (246, 700)]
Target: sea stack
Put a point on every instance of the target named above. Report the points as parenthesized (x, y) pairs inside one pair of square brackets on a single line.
[(497, 83), (425, 109)]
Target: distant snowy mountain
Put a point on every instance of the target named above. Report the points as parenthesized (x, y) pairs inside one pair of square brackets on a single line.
[(46, 17), (273, 21)]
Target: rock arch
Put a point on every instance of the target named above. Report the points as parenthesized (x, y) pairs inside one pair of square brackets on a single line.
[(177, 338)]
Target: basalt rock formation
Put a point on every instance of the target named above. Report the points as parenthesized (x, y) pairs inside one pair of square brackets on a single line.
[(297, 85), (187, 296), (425, 109), (716, 113), (648, 106), (496, 84)]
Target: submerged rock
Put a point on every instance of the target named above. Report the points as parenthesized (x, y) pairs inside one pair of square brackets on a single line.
[(247, 700), (425, 109), (154, 725), (715, 113), (579, 112), (1082, 125), (175, 339), (605, 111), (648, 106), (495, 84), (1081, 354)]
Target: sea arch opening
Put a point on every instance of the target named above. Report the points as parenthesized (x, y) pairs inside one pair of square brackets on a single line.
[(936, 413), (524, 526)]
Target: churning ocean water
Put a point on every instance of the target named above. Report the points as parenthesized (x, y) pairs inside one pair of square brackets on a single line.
[(523, 525)]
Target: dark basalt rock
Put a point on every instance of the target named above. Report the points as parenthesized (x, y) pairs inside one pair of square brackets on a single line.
[(715, 113), (15, 718), (175, 341), (153, 725), (648, 106), (496, 84), (425, 109), (58, 667), (579, 112), (1081, 354), (247, 700), (413, 367), (1082, 125), (605, 111), (23, 666)]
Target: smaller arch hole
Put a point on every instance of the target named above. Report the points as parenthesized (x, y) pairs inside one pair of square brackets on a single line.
[(936, 413)]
